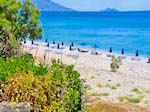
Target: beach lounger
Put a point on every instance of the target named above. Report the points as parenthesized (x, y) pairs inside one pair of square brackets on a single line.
[(136, 59), (83, 51), (122, 57), (95, 53), (74, 55), (47, 49), (30, 47), (62, 47), (53, 46), (109, 55), (74, 48), (58, 52), (40, 44), (33, 47)]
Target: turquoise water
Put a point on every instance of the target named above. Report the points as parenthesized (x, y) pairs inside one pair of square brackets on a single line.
[(128, 30)]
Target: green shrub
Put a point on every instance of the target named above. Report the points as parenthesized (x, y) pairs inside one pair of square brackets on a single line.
[(121, 98), (134, 100), (136, 90), (116, 62), (60, 90), (111, 86), (105, 94), (130, 99), (109, 80), (92, 77), (13, 65), (118, 84)]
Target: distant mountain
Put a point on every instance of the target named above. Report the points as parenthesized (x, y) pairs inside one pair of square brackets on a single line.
[(48, 5), (110, 10)]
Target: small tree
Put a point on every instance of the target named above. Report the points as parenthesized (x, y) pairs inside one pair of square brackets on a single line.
[(19, 19), (116, 62)]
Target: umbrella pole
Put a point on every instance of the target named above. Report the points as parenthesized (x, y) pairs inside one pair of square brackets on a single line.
[(36, 52), (23, 49), (53, 55), (76, 59), (30, 48), (45, 57), (61, 57)]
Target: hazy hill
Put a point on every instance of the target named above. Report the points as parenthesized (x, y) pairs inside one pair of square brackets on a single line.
[(48, 5)]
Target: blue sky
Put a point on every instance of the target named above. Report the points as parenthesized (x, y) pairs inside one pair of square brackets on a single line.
[(96, 5)]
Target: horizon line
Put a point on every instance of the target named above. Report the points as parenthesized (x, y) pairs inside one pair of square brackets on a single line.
[(97, 11)]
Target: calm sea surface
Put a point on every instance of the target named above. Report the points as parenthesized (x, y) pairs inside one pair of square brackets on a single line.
[(128, 30)]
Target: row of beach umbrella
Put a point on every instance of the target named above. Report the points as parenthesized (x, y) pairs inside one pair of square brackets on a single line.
[(123, 51), (95, 46)]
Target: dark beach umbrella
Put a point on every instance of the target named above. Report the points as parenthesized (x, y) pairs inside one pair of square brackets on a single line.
[(48, 44), (25, 41), (70, 48), (32, 42), (46, 40), (137, 53), (122, 52), (72, 44), (53, 41), (62, 43), (58, 46), (110, 50), (95, 46)]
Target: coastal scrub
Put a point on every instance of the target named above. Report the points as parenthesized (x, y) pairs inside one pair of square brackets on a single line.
[(60, 89), (116, 62)]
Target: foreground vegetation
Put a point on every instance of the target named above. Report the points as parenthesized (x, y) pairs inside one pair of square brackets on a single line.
[(24, 64), (54, 88), (19, 19)]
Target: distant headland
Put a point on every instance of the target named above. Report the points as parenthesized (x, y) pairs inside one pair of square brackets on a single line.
[(48, 5)]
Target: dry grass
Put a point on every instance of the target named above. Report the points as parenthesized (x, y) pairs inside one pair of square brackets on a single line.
[(101, 106), (98, 94), (99, 85)]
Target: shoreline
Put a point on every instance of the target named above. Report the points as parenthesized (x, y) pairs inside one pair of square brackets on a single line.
[(115, 53)]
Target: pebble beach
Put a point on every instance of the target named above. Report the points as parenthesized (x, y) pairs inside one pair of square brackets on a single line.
[(130, 82)]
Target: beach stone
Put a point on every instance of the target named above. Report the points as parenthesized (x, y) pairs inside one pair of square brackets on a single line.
[(14, 107)]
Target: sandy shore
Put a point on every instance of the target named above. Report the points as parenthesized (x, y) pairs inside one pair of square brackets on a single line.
[(131, 81)]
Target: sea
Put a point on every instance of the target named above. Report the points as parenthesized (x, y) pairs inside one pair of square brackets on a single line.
[(99, 30)]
